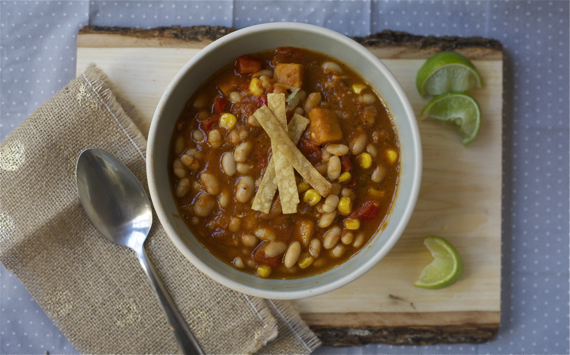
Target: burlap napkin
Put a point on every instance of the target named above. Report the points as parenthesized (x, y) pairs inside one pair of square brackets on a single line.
[(95, 291)]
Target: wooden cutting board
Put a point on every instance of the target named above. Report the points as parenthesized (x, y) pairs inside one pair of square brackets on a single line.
[(460, 197)]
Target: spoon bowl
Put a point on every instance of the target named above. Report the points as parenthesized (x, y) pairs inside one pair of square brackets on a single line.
[(119, 207)]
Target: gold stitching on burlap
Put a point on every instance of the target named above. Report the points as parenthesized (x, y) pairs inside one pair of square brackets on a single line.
[(12, 155), (58, 303), (126, 312), (86, 99)]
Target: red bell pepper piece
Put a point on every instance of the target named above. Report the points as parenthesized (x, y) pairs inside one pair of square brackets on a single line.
[(221, 105), (260, 100), (248, 65), (345, 163), (368, 210), (310, 150), (209, 122), (259, 255), (351, 183)]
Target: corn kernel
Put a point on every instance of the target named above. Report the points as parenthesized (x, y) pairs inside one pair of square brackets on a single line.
[(376, 193), (365, 160), (392, 156), (302, 187), (255, 87), (351, 224), (263, 271), (344, 177), (228, 121), (305, 260), (357, 88), (312, 197), (345, 205)]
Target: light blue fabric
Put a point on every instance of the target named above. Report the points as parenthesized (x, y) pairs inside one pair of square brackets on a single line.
[(38, 46)]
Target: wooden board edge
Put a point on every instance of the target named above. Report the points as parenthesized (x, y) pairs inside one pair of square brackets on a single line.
[(350, 329), (391, 44)]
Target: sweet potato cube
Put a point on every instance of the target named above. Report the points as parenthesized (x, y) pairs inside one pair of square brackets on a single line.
[(290, 74), (324, 126)]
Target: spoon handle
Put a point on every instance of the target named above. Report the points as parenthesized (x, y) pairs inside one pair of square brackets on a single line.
[(184, 337)]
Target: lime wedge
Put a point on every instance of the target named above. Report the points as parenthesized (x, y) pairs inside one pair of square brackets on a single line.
[(446, 267), (459, 108), (447, 72)]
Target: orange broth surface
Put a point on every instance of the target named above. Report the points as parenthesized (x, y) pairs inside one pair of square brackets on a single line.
[(229, 228)]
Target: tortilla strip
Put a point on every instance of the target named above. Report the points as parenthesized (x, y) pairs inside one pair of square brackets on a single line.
[(284, 171), (279, 137), (266, 191)]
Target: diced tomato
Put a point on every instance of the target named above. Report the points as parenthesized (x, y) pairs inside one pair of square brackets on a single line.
[(221, 105), (368, 210), (206, 125), (351, 183), (259, 255), (260, 100), (248, 65), (345, 163), (310, 150)]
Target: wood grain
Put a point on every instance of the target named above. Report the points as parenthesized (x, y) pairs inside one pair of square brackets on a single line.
[(460, 196)]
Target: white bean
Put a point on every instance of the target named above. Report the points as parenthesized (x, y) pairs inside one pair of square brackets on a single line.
[(334, 168), (197, 135), (179, 169), (224, 198), (379, 173), (242, 151), (234, 225), (315, 248), (367, 99), (243, 168), (264, 233), (252, 121), (179, 145), (325, 155), (299, 110), (243, 134), (329, 67), (249, 240), (245, 189), (292, 255), (234, 96), (210, 182), (313, 100), (358, 144), (238, 263), (202, 115), (337, 149), (204, 204), (182, 187), (327, 219), (275, 248), (228, 164), (214, 139), (331, 237), (371, 149), (233, 137), (338, 251), (266, 72), (200, 102), (359, 240), (346, 192), (193, 152), (187, 160), (347, 237), (330, 203)]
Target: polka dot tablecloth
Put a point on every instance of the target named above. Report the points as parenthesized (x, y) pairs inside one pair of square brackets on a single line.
[(38, 46)]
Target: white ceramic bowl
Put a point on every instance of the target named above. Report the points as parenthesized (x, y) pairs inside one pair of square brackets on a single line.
[(255, 39)]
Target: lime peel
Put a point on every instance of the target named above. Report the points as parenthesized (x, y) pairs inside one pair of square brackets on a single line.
[(446, 72), (459, 108), (445, 269)]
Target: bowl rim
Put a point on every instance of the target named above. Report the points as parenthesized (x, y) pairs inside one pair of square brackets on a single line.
[(318, 287)]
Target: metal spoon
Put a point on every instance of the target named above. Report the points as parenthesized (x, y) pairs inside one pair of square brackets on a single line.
[(118, 206)]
